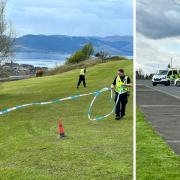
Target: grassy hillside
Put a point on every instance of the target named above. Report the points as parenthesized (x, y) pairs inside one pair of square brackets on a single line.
[(155, 159), (88, 63), (29, 147)]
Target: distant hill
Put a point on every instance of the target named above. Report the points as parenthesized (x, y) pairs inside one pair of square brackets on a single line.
[(114, 45)]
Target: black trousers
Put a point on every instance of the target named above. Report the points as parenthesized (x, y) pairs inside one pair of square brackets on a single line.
[(121, 104), (82, 79)]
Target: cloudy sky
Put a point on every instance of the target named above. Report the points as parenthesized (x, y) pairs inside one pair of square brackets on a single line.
[(71, 17), (158, 34)]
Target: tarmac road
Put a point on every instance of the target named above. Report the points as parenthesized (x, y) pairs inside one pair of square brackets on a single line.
[(171, 90), (161, 106)]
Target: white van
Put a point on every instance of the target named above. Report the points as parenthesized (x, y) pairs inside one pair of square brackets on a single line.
[(166, 77)]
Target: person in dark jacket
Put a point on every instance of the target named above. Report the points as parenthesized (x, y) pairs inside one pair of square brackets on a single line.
[(121, 86), (82, 77)]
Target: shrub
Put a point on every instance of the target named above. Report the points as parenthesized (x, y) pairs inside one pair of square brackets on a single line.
[(4, 73), (39, 73)]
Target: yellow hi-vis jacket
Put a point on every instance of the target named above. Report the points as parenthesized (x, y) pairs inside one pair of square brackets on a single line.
[(82, 72), (177, 76), (120, 85)]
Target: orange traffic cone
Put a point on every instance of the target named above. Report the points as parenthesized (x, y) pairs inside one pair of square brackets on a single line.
[(61, 130)]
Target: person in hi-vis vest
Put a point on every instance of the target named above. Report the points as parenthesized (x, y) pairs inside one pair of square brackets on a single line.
[(121, 85), (82, 77)]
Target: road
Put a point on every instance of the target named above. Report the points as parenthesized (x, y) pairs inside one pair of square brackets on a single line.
[(161, 106), (171, 90)]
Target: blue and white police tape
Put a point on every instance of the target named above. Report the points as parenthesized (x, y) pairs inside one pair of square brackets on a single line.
[(92, 102), (96, 93)]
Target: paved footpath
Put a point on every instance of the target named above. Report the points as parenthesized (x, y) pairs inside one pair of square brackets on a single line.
[(162, 111)]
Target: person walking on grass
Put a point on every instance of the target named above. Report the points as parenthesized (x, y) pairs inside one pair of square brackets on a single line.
[(82, 77), (121, 84)]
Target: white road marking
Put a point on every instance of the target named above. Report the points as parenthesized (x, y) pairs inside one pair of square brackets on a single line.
[(173, 141), (145, 90)]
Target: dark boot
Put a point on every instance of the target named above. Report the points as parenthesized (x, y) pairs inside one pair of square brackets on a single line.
[(118, 117)]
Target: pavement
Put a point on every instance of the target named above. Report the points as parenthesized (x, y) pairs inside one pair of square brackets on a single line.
[(16, 78), (161, 106)]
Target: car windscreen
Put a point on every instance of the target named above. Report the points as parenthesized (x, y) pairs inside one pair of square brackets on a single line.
[(162, 72)]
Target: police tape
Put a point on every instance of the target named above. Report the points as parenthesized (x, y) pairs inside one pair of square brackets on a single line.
[(96, 93), (92, 102)]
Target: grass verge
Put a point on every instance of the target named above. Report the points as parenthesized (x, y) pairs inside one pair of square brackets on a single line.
[(155, 159)]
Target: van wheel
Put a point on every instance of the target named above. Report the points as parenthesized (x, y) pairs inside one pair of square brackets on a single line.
[(154, 84), (178, 83), (167, 83)]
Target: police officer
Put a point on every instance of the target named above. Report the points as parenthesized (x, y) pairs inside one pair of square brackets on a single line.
[(121, 84), (82, 77)]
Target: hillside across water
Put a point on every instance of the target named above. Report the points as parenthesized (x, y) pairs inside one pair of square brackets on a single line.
[(114, 45)]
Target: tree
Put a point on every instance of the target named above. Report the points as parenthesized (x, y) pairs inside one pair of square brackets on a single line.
[(77, 57), (6, 34), (81, 55), (102, 55), (169, 66), (88, 50), (139, 73)]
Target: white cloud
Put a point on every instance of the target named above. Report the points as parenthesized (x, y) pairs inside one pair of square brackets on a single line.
[(158, 37), (159, 18), (72, 17), (153, 54)]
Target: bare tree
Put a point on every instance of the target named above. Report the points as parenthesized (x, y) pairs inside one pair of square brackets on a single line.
[(6, 34), (102, 55)]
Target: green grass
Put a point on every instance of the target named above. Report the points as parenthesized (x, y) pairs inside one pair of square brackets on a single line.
[(155, 159), (29, 147)]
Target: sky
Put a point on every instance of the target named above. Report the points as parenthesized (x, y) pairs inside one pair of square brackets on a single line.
[(158, 34), (71, 17)]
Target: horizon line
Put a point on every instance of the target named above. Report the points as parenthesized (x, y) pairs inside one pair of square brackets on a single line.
[(74, 35)]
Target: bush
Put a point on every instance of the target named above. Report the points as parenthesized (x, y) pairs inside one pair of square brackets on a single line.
[(39, 73), (4, 73)]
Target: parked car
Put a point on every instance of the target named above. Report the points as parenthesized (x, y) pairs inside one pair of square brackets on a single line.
[(177, 82)]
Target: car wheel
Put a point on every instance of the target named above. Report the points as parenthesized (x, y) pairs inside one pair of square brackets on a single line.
[(154, 84), (167, 83), (178, 83)]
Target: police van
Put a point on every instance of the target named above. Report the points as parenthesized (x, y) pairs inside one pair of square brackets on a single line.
[(166, 77)]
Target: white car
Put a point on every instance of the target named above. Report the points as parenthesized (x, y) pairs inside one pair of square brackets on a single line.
[(177, 82)]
